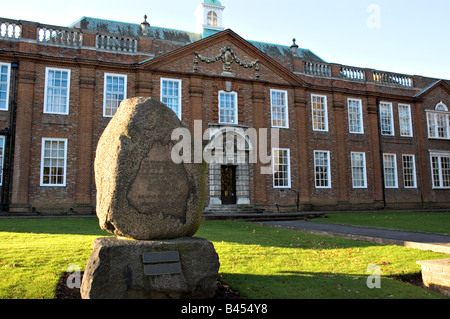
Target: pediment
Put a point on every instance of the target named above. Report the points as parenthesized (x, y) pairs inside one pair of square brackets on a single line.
[(224, 54), (433, 86)]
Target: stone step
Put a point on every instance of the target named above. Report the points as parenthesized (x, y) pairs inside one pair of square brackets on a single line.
[(261, 216)]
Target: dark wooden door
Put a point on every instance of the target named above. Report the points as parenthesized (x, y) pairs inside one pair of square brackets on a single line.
[(228, 185)]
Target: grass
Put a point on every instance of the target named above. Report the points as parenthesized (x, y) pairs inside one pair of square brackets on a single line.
[(258, 261), (411, 221)]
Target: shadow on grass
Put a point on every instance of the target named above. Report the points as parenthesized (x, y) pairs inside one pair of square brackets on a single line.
[(308, 285)]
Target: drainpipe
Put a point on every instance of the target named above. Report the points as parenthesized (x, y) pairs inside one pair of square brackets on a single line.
[(9, 133), (381, 153)]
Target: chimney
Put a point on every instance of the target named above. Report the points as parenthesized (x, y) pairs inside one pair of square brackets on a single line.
[(294, 48)]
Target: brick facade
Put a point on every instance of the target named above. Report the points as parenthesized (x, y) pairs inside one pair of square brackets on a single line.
[(174, 55)]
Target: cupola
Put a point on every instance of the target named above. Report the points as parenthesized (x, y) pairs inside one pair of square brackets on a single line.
[(210, 17)]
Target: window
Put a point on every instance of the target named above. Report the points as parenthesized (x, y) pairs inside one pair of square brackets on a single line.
[(5, 71), (439, 122), (53, 162), (2, 157), (390, 170), (171, 95), (355, 119), (281, 168), (322, 169), (279, 107), (228, 107), (319, 113), (404, 116), (386, 119), (409, 171), (440, 166), (212, 19), (359, 177), (57, 91), (115, 91)]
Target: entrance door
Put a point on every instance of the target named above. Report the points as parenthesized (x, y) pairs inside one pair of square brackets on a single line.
[(228, 185)]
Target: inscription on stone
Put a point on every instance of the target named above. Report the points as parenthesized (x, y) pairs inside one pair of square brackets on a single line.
[(153, 258), (161, 186), (161, 263)]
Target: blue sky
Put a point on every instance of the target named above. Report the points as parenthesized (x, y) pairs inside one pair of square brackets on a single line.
[(411, 37)]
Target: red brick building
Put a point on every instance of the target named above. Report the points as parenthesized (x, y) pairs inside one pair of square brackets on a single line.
[(350, 138)]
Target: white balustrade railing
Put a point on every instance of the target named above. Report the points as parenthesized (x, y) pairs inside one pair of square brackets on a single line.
[(116, 43), (59, 36), (353, 74), (10, 30), (319, 69), (392, 78)]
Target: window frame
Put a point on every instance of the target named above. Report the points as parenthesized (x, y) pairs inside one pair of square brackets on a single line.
[(235, 101), (435, 113), (409, 119), (288, 165), (413, 169), (438, 155), (180, 94), (8, 84), (43, 157), (360, 115), (46, 88), (284, 107), (325, 113), (364, 168), (105, 92), (328, 169), (391, 117), (395, 170)]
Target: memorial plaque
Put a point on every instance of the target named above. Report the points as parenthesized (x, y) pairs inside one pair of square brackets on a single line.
[(162, 269), (162, 257)]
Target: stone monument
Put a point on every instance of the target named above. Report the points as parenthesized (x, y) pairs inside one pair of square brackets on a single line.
[(153, 207)]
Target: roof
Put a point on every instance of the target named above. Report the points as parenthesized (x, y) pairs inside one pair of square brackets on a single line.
[(182, 37)]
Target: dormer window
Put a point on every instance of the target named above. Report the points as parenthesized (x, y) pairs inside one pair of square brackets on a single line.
[(439, 122), (212, 19)]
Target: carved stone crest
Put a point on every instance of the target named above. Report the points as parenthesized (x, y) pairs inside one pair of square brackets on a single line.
[(228, 57)]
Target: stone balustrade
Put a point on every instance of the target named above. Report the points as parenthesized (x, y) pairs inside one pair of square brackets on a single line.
[(10, 29), (392, 78), (59, 36), (319, 69), (353, 74), (116, 43)]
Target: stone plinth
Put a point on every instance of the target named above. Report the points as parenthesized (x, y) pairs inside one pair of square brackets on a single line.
[(184, 268)]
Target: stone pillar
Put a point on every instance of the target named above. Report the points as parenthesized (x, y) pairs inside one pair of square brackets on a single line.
[(302, 139), (22, 151), (259, 121), (84, 175), (242, 184), (215, 187), (341, 149), (377, 169)]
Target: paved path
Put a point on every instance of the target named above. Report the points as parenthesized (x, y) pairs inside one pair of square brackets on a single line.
[(425, 241)]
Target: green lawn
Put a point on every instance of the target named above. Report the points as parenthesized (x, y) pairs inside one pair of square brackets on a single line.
[(257, 261), (432, 222)]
